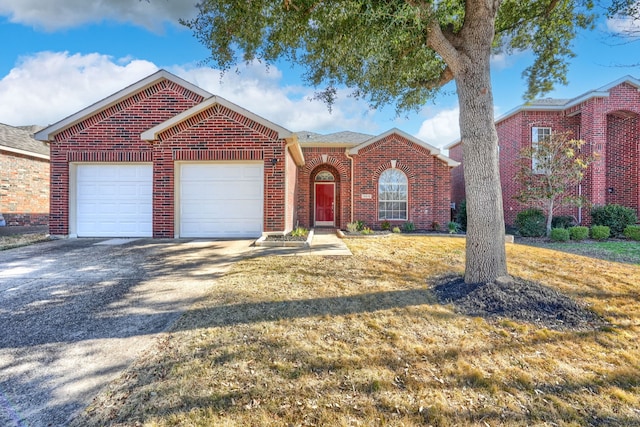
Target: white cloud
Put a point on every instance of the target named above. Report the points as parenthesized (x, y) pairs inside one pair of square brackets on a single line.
[(56, 14), (441, 129), (49, 86), (625, 26)]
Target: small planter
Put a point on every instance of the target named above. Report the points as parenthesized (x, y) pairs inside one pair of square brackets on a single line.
[(285, 241)]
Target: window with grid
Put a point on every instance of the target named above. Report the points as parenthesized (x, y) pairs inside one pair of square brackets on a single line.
[(538, 134), (392, 195)]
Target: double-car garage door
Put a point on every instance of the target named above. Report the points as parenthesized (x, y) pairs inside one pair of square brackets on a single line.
[(213, 200)]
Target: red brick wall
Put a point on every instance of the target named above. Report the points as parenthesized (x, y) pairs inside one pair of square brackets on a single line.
[(219, 134), (24, 189), (112, 135), (428, 177), (623, 141)]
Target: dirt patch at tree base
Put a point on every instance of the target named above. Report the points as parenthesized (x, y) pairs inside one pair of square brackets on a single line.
[(519, 300)]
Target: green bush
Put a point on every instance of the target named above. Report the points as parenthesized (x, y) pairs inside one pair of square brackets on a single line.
[(366, 230), (559, 235), (600, 232), (453, 227), (385, 225), (632, 232), (300, 232), (578, 233), (562, 221), (352, 227), (461, 215), (408, 227), (616, 217), (531, 223), (396, 229)]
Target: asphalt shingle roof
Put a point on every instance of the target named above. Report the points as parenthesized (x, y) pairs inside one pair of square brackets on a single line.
[(345, 137), (21, 138)]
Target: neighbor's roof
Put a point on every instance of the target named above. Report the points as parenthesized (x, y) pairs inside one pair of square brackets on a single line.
[(433, 150), (48, 133), (555, 104), (19, 139), (345, 138)]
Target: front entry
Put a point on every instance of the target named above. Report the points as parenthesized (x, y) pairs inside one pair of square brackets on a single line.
[(325, 203)]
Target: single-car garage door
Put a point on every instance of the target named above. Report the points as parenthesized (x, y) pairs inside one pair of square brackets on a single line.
[(221, 199), (114, 200)]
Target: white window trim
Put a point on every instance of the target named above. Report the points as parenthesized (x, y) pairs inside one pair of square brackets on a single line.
[(535, 135), (405, 201)]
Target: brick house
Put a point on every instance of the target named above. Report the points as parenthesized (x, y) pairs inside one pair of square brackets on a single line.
[(163, 158), (607, 119), (24, 177)]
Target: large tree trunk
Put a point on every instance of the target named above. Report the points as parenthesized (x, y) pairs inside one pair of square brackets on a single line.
[(486, 257)]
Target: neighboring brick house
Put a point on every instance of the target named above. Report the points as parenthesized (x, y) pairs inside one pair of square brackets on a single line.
[(607, 119), (163, 158), (24, 177)]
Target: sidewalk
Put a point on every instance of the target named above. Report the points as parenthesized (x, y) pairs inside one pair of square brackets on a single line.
[(325, 242)]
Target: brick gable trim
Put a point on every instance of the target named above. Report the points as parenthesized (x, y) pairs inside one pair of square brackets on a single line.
[(110, 105), (212, 106)]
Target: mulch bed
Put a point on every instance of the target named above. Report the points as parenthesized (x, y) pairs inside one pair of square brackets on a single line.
[(286, 238), (518, 300)]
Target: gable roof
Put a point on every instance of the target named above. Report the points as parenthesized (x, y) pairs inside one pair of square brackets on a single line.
[(20, 140), (555, 104), (152, 134), (433, 150), (48, 133)]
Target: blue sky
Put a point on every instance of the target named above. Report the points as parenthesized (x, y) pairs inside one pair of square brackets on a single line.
[(61, 56)]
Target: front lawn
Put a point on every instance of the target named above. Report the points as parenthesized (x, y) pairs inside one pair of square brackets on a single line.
[(363, 341), (611, 250)]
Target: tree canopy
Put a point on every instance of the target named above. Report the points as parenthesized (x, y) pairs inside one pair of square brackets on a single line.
[(402, 52)]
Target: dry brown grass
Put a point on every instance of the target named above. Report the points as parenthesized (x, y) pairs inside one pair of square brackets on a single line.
[(348, 341), (18, 240)]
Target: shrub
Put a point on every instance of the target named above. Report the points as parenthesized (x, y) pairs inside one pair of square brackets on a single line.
[(600, 232), (453, 227), (531, 223), (352, 227), (300, 232), (632, 232), (385, 225), (396, 229), (461, 215), (366, 230), (616, 217), (562, 221), (360, 224), (408, 227), (559, 234), (578, 233)]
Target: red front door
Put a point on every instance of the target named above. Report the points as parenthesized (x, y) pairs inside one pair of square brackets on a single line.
[(325, 197)]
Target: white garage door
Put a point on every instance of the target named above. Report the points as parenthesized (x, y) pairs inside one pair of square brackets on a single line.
[(114, 200), (221, 200)]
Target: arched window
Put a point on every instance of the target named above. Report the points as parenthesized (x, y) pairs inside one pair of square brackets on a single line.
[(325, 176), (392, 195)]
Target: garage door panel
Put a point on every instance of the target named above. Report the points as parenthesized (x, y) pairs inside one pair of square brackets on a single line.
[(114, 200), (221, 200)]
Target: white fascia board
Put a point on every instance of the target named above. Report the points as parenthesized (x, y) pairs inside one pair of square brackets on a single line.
[(152, 134), (23, 152), (48, 133)]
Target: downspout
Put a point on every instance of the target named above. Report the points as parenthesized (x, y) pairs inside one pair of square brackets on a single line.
[(580, 205), (346, 153)]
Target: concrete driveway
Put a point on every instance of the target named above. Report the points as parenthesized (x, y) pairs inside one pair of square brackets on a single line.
[(75, 313)]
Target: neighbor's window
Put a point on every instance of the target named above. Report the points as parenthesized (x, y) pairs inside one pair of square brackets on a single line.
[(538, 135), (392, 195)]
